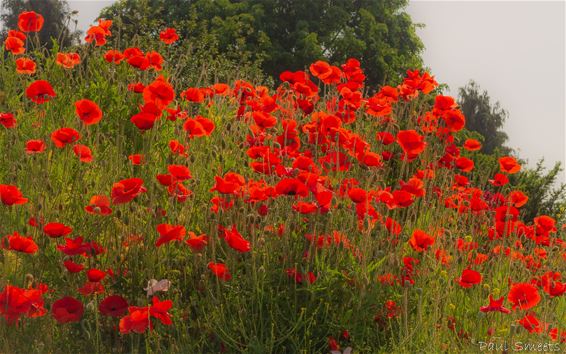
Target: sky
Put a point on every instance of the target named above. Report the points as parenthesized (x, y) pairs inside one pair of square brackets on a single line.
[(513, 49)]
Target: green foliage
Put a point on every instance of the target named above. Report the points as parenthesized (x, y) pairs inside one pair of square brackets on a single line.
[(283, 34), (59, 20), (545, 196), (484, 117)]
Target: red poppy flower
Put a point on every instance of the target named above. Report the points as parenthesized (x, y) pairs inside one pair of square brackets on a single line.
[(532, 324), (83, 153), (73, 267), (291, 186), (230, 184), (469, 278), (472, 145), (509, 165), (25, 66), (68, 60), (179, 172), (518, 199), (411, 142), (137, 320), (56, 229), (15, 45), (420, 241), (523, 296), (159, 310), (113, 306), (499, 180), (126, 190), (88, 111), (199, 126), (155, 61), (95, 275), (235, 240), (16, 302), (7, 120), (169, 233), (159, 92), (30, 21), (19, 243), (464, 164), (454, 120), (168, 36), (113, 56), (67, 309), (64, 136), (40, 91), (99, 205), (196, 243), (220, 270), (193, 94), (495, 305), (136, 159), (144, 121), (11, 195)]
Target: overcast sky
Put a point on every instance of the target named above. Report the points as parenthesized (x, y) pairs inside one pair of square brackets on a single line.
[(513, 49)]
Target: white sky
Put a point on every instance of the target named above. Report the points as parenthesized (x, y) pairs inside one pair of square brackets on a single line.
[(513, 49)]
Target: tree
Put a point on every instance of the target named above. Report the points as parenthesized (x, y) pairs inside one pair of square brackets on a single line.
[(286, 34), (484, 117), (545, 197), (56, 13)]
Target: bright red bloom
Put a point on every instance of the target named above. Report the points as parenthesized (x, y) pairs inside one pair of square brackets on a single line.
[(495, 305), (113, 305), (68, 60), (179, 172), (56, 229), (230, 184), (469, 278), (137, 320), (73, 267), (411, 142), (126, 190), (524, 296), (169, 233), (159, 310), (30, 21), (420, 241), (159, 92), (198, 127), (464, 164), (220, 270), (40, 91), (35, 146), (472, 145), (11, 195), (235, 240), (113, 56), (136, 159), (509, 165), (18, 243), (196, 243), (143, 120), (25, 66), (67, 310), (88, 111), (15, 45), (83, 152), (532, 324), (99, 205), (16, 302), (64, 136), (291, 186), (168, 36), (95, 275), (7, 120)]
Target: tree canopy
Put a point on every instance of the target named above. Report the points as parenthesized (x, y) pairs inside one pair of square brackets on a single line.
[(484, 116), (286, 34)]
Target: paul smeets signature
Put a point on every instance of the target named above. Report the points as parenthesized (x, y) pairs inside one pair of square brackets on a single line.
[(505, 346)]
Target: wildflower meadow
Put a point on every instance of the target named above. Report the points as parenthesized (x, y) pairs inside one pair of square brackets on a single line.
[(147, 210)]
